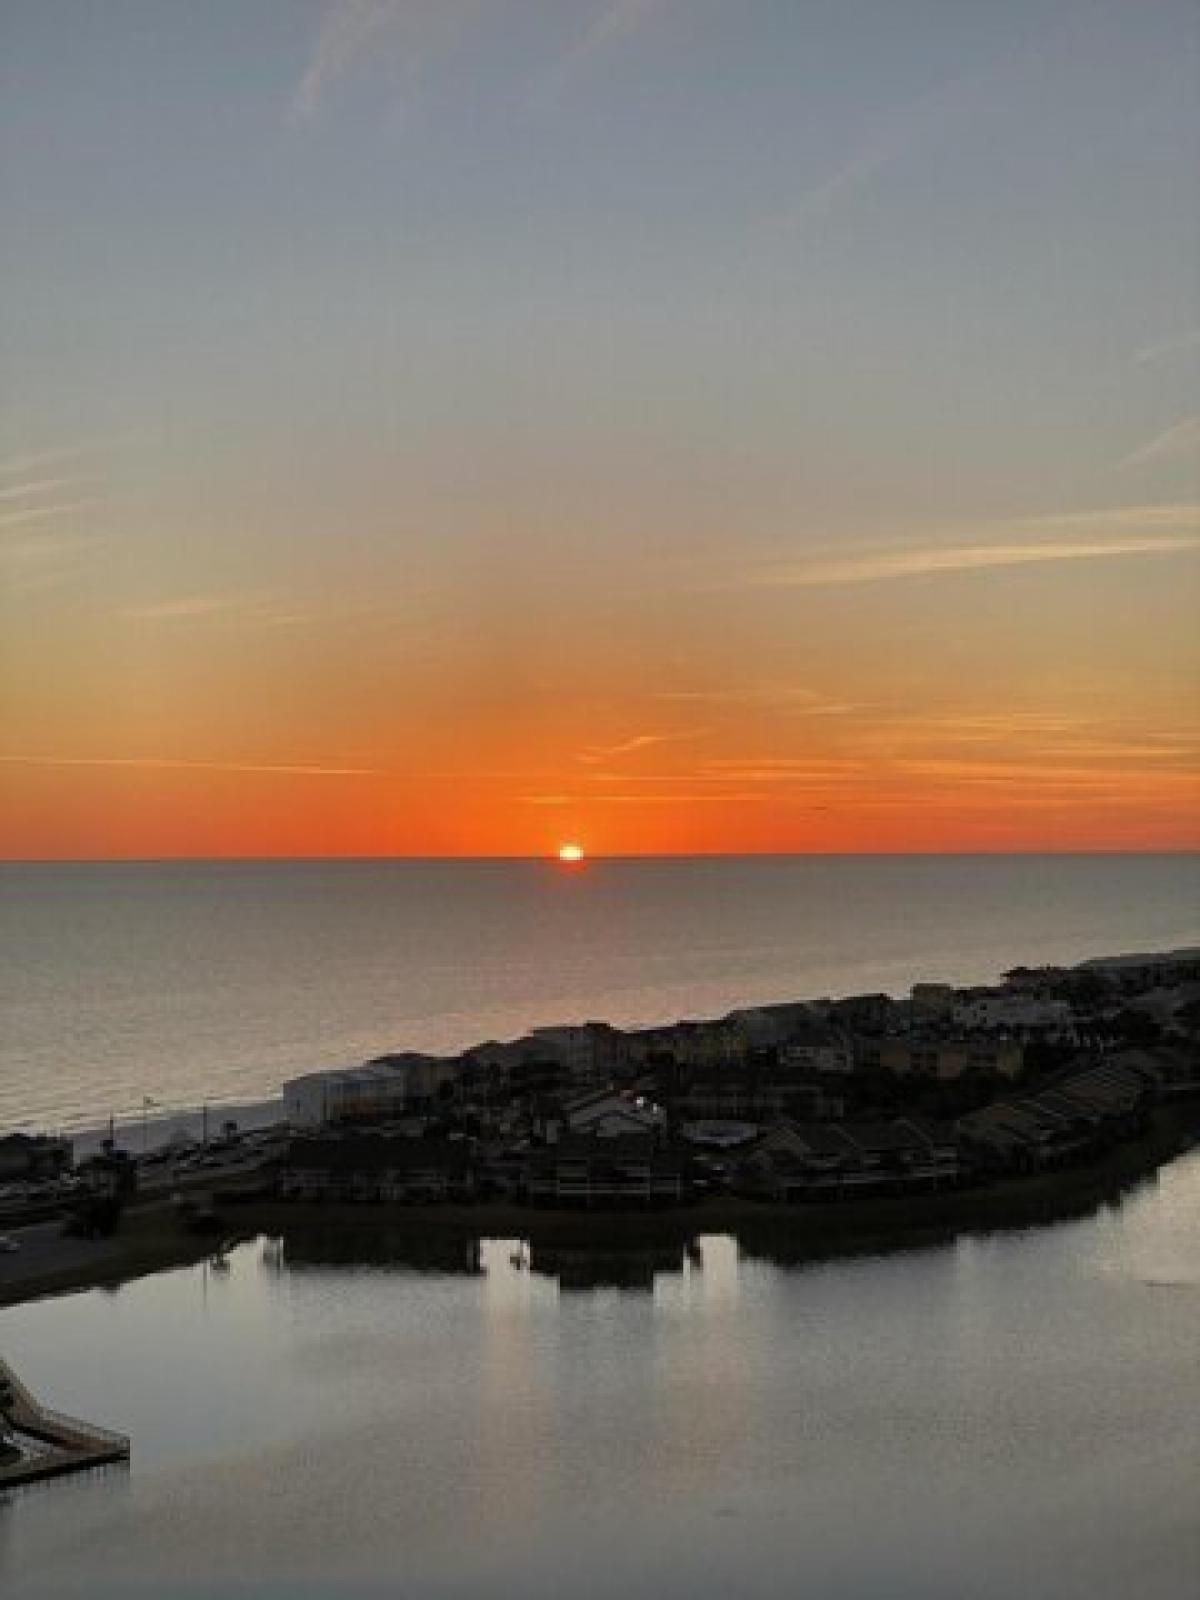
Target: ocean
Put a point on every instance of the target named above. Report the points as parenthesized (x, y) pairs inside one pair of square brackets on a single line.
[(193, 983)]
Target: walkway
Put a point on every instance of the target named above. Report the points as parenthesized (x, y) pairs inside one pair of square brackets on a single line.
[(56, 1444)]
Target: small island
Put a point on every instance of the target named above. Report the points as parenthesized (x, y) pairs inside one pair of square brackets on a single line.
[(820, 1127)]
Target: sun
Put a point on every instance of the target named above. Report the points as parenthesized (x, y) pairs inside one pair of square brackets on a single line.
[(570, 852)]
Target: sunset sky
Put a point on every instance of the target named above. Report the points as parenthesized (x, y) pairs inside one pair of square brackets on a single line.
[(460, 426)]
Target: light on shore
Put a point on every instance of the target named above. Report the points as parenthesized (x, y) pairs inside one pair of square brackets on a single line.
[(570, 852)]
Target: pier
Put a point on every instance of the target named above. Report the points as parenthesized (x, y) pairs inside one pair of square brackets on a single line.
[(50, 1444)]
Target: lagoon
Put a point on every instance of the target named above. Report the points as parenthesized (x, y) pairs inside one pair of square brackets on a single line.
[(343, 1413)]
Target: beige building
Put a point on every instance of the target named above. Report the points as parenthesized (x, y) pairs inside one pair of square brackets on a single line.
[(946, 1059)]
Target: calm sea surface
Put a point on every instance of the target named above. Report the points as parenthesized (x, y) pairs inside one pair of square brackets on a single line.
[(1008, 1415), (214, 982)]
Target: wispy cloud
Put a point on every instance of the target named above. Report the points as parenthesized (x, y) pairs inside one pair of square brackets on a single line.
[(775, 772), (998, 725), (642, 798), (1177, 516), (44, 561), (799, 701), (165, 764), (34, 488), (638, 741), (250, 608), (1179, 345), (856, 172), (616, 21), (37, 459), (885, 147), (35, 553), (1182, 439), (926, 116), (1036, 770), (403, 35), (796, 766), (1159, 531), (28, 514), (1034, 731), (260, 608), (782, 773), (678, 797)]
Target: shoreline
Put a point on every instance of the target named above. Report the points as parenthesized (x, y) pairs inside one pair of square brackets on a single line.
[(153, 1125), (150, 1239)]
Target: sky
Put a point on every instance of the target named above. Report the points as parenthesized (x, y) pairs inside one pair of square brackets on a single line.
[(460, 426)]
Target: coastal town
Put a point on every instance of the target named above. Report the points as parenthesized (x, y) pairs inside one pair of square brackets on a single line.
[(831, 1124), (816, 1101), (824, 1101)]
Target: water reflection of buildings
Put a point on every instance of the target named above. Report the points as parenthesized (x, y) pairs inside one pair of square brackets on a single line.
[(380, 1248), (575, 1267), (775, 1248), (639, 1268)]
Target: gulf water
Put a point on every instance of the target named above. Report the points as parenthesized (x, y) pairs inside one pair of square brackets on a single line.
[(213, 982)]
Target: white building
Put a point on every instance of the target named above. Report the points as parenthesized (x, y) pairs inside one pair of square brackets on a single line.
[(389, 1087), (1010, 1010)]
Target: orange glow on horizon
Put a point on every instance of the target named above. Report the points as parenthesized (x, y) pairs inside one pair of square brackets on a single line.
[(627, 772), (127, 813)]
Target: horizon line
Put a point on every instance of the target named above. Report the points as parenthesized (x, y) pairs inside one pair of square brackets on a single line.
[(550, 857)]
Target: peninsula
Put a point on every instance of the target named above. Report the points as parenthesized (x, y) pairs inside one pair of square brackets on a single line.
[(824, 1126)]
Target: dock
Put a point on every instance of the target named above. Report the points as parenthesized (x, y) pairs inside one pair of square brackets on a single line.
[(49, 1443)]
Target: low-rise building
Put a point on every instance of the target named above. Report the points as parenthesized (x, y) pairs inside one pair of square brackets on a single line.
[(943, 1058), (932, 1000), (771, 1025), (628, 1170), (1133, 973), (1081, 1111), (375, 1167), (820, 1048), (603, 1114), (763, 1088), (590, 1053), (690, 1044), (814, 1161), (387, 1087), (1012, 1011), (1170, 1070)]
